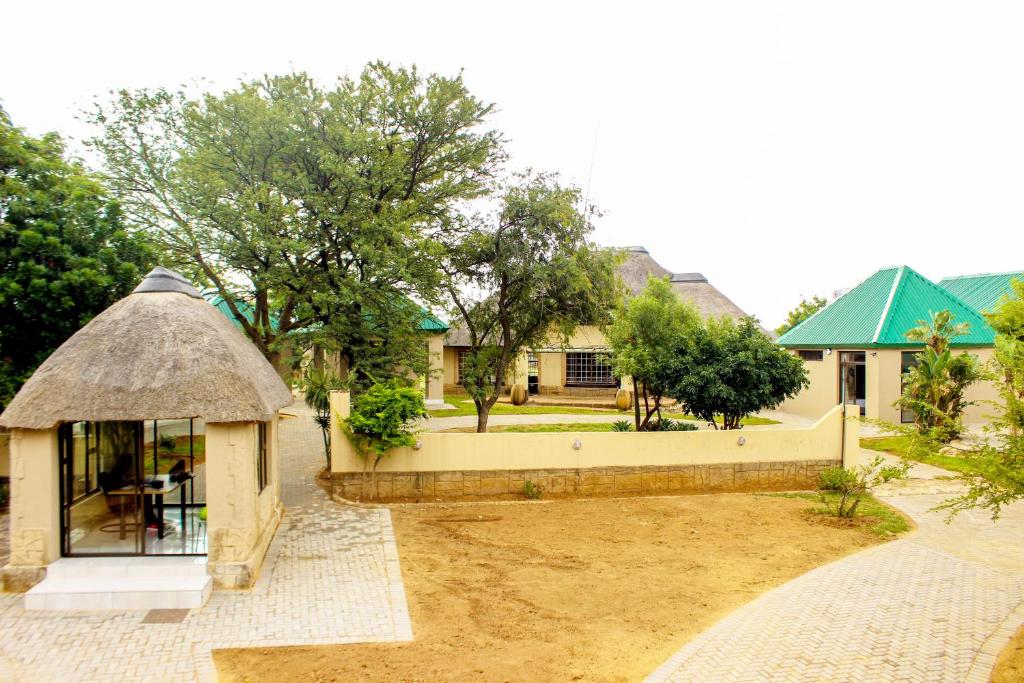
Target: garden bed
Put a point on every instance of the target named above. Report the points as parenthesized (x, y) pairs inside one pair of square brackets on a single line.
[(603, 589)]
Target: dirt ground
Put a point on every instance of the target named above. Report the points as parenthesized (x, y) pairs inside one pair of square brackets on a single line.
[(593, 589), (1010, 665)]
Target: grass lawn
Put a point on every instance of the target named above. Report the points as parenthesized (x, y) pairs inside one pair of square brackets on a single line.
[(464, 406), (562, 427), (901, 446), (588, 589), (874, 515)]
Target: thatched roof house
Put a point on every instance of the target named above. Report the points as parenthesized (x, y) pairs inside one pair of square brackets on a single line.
[(162, 352)]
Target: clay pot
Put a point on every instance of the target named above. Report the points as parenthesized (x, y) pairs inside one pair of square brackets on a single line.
[(518, 394), (623, 399)]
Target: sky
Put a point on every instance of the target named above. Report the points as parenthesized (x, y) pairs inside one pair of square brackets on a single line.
[(782, 149)]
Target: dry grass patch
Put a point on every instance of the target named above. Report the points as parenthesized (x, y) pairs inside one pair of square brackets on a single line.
[(595, 589)]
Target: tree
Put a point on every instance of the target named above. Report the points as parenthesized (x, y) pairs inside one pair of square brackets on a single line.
[(642, 337), (313, 205), (999, 462), (64, 253), (383, 418), (802, 312), (317, 385), (520, 277), (733, 370), (934, 389)]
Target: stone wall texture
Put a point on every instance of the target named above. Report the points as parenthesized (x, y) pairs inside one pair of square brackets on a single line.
[(636, 480)]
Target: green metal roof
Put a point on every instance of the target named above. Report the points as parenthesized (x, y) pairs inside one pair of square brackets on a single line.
[(878, 312), (982, 291)]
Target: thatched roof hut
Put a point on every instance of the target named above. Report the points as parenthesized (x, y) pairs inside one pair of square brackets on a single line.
[(691, 287), (160, 353)]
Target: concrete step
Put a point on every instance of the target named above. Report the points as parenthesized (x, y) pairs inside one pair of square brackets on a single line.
[(120, 567), (121, 593)]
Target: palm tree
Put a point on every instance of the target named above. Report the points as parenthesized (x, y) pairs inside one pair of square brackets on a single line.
[(937, 332)]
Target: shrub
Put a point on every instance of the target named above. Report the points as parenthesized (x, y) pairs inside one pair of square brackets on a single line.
[(531, 490), (317, 385), (849, 486), (667, 425), (383, 418), (622, 426)]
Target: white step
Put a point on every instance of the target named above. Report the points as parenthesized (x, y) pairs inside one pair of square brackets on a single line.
[(122, 593), (120, 567)]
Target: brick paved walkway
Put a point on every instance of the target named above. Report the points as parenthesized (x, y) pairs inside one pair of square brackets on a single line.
[(935, 606), (332, 576)]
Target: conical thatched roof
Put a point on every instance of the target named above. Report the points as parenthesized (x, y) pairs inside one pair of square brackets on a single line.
[(160, 353)]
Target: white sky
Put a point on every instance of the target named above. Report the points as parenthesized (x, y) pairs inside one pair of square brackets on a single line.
[(782, 149)]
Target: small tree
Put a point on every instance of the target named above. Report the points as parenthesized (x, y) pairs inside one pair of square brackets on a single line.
[(934, 388), (733, 370), (805, 310), (383, 417), (523, 276), (1000, 461), (317, 385), (849, 486), (643, 335)]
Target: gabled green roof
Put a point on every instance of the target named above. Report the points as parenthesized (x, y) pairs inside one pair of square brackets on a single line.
[(983, 291), (878, 312)]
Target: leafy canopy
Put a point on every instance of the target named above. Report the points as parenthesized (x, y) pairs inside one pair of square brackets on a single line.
[(733, 370), (313, 204), (521, 276), (643, 336), (64, 253), (802, 312)]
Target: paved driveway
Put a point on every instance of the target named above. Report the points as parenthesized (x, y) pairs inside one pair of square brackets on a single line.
[(937, 605), (332, 576)]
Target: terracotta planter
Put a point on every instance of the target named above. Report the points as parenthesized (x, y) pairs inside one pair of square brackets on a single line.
[(623, 399), (518, 394)]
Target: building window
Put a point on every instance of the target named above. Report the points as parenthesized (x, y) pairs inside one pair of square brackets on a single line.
[(462, 355), (262, 470), (810, 354), (588, 370), (908, 362)]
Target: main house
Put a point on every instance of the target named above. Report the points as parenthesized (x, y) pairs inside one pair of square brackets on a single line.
[(856, 351), (579, 368)]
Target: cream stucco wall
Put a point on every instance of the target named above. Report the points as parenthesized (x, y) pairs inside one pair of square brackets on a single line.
[(435, 373), (241, 521), (441, 452), (882, 386)]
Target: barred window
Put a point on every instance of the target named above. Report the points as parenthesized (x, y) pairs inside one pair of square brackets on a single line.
[(462, 355), (262, 469), (588, 370)]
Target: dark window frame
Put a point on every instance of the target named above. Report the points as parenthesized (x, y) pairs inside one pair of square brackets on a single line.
[(262, 462), (811, 354), (588, 369)]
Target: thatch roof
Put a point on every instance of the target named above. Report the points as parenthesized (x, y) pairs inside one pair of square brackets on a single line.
[(637, 266), (160, 353)]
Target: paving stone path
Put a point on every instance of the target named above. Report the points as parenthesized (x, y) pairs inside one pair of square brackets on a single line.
[(332, 576), (935, 606)]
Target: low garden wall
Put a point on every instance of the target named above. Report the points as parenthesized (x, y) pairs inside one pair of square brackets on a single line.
[(452, 466)]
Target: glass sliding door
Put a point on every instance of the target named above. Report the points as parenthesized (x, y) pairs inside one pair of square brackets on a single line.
[(853, 378), (133, 488), (908, 362), (100, 501)]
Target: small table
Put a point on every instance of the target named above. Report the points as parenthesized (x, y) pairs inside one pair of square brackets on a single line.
[(158, 494)]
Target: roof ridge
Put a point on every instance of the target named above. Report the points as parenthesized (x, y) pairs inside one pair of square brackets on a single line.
[(953, 298), (823, 308), (973, 276), (882, 319)]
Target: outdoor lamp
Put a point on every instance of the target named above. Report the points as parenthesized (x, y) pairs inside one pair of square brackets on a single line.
[(577, 444)]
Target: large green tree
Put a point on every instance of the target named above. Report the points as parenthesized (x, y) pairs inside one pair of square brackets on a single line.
[(732, 370), (522, 276), (315, 205), (802, 312), (643, 336), (64, 253)]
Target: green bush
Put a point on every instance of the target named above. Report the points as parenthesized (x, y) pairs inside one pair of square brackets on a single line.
[(622, 426), (851, 485), (317, 385), (531, 490), (834, 479), (667, 425)]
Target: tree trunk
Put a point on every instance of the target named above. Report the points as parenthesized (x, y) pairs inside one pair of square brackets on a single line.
[(636, 405), (483, 411)]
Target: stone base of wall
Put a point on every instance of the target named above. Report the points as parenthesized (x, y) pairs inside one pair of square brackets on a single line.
[(243, 573), (636, 480), (20, 579)]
